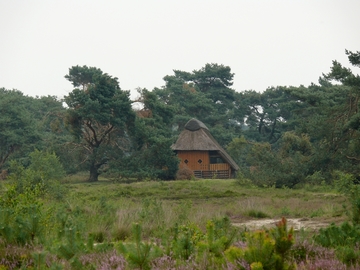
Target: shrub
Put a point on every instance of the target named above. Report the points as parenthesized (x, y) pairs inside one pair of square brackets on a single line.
[(139, 254), (22, 217), (345, 239), (185, 174), (44, 172), (345, 183), (184, 239), (121, 233), (265, 249), (256, 214)]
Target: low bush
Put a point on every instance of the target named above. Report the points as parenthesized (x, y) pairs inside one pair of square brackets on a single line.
[(344, 239), (185, 174)]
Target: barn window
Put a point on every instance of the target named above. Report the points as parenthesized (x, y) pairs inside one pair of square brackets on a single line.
[(215, 158), (186, 161), (199, 161)]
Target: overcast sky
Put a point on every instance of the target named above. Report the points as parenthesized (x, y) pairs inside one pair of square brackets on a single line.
[(265, 42)]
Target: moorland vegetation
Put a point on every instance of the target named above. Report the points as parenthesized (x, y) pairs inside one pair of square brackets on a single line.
[(297, 149)]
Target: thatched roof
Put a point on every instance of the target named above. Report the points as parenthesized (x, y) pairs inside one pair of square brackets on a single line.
[(196, 137)]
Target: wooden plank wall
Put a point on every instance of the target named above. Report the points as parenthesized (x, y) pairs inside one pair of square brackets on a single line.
[(224, 167), (219, 167), (193, 157)]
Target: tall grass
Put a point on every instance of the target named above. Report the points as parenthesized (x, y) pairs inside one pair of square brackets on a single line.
[(111, 207), (93, 216)]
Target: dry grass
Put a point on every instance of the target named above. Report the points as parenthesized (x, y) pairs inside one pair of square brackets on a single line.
[(158, 205)]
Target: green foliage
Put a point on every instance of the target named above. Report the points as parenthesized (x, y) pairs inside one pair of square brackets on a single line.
[(150, 155), (43, 173), (139, 254), (39, 259), (189, 241), (91, 213), (238, 148), (185, 239), (261, 248), (18, 126), (346, 183), (344, 239), (72, 247), (47, 165), (284, 238), (232, 254), (204, 94), (256, 266), (151, 214), (219, 237), (349, 255), (268, 114), (287, 166), (22, 217), (334, 236), (266, 249), (99, 116)]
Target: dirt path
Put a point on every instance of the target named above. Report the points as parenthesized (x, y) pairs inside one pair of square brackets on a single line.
[(296, 223)]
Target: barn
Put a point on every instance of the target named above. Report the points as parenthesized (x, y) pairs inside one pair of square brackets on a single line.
[(199, 151)]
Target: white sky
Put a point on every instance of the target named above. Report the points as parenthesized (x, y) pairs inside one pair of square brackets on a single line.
[(265, 42)]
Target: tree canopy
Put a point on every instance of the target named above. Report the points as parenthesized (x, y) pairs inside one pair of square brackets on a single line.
[(283, 136), (18, 127), (99, 116)]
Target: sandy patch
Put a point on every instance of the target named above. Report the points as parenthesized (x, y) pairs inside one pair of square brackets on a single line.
[(296, 223)]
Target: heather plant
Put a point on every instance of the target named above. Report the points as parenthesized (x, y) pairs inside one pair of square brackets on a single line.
[(323, 264), (305, 250), (345, 239), (335, 236), (349, 255), (202, 240), (309, 255), (103, 260), (15, 257)]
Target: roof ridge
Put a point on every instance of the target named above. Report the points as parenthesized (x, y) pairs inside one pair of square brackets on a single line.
[(194, 124)]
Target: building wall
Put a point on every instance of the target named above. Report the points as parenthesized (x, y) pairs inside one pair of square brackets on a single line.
[(195, 160), (219, 167)]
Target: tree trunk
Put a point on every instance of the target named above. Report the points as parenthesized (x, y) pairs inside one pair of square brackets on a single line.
[(93, 173)]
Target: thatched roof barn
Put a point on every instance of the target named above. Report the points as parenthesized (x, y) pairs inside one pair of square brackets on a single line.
[(199, 151)]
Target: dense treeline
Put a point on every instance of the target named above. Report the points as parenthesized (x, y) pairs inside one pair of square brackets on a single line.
[(284, 136)]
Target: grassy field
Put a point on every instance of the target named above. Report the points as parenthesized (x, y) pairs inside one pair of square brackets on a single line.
[(198, 201), (172, 224)]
